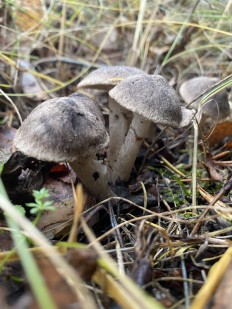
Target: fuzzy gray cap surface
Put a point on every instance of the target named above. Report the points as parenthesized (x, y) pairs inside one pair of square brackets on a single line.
[(153, 98), (107, 77), (217, 105), (62, 129)]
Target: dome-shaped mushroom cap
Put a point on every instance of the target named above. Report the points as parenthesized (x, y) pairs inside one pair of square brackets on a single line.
[(107, 77), (218, 104), (62, 129), (153, 98)]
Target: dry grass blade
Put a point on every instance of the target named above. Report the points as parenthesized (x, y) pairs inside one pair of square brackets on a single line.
[(80, 199), (178, 23), (42, 76), (215, 275), (13, 105), (210, 199), (133, 56), (172, 167)]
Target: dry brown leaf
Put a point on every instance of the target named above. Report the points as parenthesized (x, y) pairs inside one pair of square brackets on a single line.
[(6, 242), (60, 291), (84, 261), (28, 14), (3, 302), (211, 168), (228, 145), (220, 131), (53, 223)]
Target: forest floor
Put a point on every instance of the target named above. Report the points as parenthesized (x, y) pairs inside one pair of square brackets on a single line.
[(154, 243)]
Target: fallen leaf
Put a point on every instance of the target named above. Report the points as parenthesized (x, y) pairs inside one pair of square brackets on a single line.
[(28, 14), (3, 303), (60, 291), (211, 168), (84, 261), (220, 131), (6, 242), (59, 191), (57, 223), (228, 145)]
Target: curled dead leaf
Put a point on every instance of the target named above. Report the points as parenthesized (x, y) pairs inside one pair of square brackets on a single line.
[(220, 131), (212, 170)]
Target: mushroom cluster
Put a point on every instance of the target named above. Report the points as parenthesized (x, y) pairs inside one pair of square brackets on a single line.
[(71, 129)]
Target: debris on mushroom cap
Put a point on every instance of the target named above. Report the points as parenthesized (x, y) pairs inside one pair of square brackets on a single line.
[(108, 76), (62, 129), (217, 106), (151, 97)]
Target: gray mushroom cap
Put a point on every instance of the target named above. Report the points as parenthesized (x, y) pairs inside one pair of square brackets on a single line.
[(153, 98), (62, 129), (108, 76), (218, 105)]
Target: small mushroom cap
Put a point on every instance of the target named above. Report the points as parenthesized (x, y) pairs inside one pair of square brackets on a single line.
[(107, 77), (153, 98), (217, 106), (62, 129)]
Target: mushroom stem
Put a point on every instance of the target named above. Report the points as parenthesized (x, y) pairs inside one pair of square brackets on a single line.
[(93, 176), (138, 131), (119, 122)]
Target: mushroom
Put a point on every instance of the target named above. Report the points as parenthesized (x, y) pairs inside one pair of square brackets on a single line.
[(68, 129), (106, 78), (151, 99), (217, 107)]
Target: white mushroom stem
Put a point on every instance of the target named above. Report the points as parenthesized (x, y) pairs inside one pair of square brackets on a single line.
[(138, 131), (119, 122), (93, 176)]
